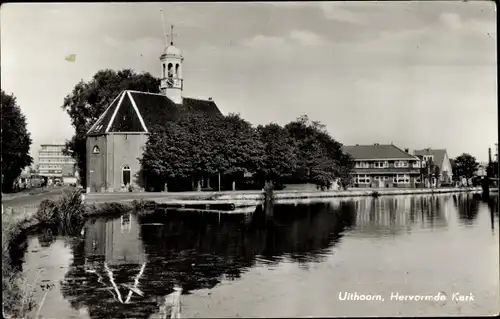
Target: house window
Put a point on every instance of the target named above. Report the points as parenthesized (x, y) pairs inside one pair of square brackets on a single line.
[(362, 179), (126, 175), (416, 164), (402, 179), (428, 157), (381, 164), (95, 150), (401, 164), (362, 165)]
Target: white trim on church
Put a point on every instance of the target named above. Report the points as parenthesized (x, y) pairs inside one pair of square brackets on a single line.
[(116, 111), (137, 111)]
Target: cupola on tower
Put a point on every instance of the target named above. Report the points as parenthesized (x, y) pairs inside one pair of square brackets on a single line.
[(171, 71)]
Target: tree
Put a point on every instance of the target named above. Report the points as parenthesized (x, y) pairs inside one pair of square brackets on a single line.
[(236, 146), (320, 157), (279, 153), (16, 141), (346, 165), (196, 144), (437, 172), (466, 166), (89, 100)]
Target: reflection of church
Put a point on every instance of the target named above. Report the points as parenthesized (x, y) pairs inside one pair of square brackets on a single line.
[(127, 265), (117, 139), (116, 241)]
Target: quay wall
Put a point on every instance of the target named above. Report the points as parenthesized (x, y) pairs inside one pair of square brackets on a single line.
[(256, 196)]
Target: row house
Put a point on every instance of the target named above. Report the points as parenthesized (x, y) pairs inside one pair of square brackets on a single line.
[(440, 158), (384, 166)]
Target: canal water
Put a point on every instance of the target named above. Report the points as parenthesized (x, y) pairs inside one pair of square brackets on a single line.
[(287, 261)]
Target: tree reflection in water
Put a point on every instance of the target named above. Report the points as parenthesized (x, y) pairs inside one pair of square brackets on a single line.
[(145, 260), (468, 208)]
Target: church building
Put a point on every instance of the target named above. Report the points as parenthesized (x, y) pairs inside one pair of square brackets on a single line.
[(117, 140)]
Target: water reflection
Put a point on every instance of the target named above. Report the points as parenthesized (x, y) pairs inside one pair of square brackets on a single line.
[(128, 266), (380, 217)]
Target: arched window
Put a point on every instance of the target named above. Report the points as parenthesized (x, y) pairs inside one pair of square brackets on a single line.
[(126, 175), (177, 70), (170, 70), (95, 150), (163, 74)]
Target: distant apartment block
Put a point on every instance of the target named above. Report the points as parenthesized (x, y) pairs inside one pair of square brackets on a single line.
[(384, 166), (53, 163)]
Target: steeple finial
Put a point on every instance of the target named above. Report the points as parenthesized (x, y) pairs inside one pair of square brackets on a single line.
[(172, 34)]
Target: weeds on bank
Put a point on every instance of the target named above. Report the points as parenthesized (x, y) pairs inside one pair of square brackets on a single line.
[(17, 297), (64, 216), (108, 209)]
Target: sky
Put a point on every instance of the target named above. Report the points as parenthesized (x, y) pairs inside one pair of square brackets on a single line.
[(417, 74)]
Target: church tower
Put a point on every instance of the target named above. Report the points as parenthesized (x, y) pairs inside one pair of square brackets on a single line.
[(171, 71)]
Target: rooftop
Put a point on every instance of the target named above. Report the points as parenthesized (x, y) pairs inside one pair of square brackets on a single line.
[(377, 152), (437, 154), (134, 111)]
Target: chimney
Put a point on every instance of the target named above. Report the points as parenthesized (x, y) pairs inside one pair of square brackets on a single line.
[(210, 98), (489, 154), (407, 150)]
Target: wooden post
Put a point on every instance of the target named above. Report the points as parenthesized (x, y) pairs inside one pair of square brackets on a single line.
[(208, 180), (234, 185), (219, 181)]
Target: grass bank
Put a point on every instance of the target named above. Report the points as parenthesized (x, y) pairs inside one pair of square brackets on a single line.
[(64, 216)]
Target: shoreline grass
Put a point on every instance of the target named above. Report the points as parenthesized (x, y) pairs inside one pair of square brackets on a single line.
[(64, 216)]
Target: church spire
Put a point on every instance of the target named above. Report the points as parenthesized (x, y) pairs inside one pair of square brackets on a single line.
[(171, 75)]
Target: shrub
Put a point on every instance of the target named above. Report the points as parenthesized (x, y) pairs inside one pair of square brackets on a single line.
[(375, 194), (142, 205), (66, 215), (46, 211)]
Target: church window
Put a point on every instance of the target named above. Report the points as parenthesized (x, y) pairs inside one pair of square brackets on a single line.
[(125, 223), (95, 150), (177, 70), (126, 175), (163, 74), (170, 70)]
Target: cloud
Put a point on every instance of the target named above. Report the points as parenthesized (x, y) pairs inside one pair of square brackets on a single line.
[(307, 38), (451, 20), (339, 11), (296, 38)]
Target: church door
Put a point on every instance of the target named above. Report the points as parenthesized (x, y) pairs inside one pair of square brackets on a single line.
[(126, 175)]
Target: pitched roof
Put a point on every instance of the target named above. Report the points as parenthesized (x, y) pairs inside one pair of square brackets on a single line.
[(134, 111), (376, 151), (438, 155)]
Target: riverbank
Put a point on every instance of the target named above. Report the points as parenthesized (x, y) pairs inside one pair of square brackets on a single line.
[(16, 297), (61, 212), (240, 199)]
